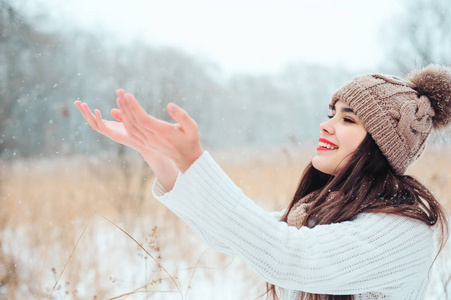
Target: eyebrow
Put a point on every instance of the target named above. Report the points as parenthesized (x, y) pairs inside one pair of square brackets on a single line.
[(344, 109)]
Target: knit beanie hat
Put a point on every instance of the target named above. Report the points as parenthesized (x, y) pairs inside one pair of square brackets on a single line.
[(400, 114)]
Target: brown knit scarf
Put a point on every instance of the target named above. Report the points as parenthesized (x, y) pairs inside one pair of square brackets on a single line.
[(298, 212), (296, 217)]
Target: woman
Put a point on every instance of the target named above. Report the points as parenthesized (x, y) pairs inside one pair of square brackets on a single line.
[(357, 227)]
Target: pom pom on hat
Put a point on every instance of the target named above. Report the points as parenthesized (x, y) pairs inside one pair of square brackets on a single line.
[(434, 82)]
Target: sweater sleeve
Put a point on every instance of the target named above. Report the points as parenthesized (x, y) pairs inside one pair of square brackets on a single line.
[(372, 253)]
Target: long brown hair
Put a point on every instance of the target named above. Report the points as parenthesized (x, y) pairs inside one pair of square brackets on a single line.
[(366, 184)]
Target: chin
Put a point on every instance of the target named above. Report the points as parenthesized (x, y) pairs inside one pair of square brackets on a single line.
[(320, 167)]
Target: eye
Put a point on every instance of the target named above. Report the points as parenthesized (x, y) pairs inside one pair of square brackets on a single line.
[(348, 120), (330, 116)]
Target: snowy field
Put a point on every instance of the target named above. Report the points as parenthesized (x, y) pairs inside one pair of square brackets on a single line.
[(63, 217), (107, 265)]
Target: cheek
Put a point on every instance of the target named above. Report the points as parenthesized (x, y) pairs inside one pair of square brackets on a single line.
[(353, 146), (353, 140)]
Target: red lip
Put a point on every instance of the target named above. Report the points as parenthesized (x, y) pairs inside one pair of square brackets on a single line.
[(327, 141)]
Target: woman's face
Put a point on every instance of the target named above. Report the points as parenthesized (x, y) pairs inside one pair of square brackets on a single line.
[(339, 138)]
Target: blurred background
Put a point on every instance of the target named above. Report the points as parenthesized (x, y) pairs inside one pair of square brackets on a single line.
[(257, 76), (250, 72)]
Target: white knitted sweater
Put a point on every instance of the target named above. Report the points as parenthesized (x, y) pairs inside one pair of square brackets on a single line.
[(374, 256)]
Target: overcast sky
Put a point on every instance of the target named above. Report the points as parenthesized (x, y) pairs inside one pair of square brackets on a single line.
[(245, 35)]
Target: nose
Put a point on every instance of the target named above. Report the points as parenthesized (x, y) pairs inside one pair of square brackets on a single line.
[(327, 126)]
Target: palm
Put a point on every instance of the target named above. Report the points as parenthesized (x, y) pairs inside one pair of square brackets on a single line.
[(116, 131)]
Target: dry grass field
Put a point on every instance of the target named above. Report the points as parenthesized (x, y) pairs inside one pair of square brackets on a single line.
[(60, 221)]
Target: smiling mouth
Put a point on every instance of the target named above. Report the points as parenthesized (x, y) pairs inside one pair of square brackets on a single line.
[(326, 145)]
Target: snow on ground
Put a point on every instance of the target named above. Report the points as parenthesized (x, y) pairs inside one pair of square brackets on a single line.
[(107, 263)]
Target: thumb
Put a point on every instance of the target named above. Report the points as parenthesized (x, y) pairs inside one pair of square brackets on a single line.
[(181, 117), (116, 113)]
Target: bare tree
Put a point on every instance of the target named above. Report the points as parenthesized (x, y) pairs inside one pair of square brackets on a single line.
[(26, 73), (13, 33), (420, 35)]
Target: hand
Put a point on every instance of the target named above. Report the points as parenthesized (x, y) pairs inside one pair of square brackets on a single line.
[(180, 142), (114, 130)]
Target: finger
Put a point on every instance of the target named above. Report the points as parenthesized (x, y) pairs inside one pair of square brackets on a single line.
[(80, 108), (148, 124), (78, 105), (153, 130), (121, 100), (134, 107), (120, 93), (99, 120), (137, 136), (126, 116), (137, 122), (181, 117), (137, 115), (130, 125), (88, 115), (116, 113)]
